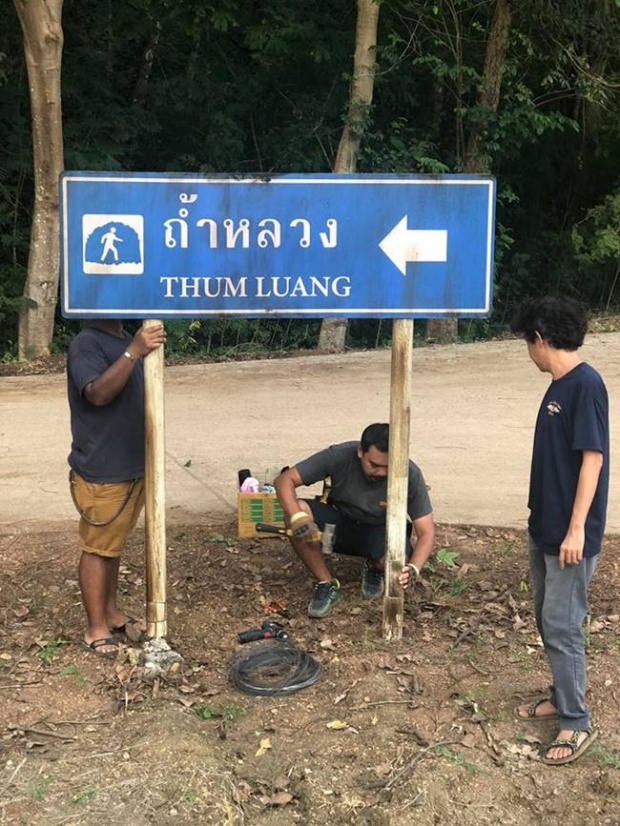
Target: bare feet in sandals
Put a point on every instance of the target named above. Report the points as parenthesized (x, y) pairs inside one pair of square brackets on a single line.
[(105, 647), (568, 746), (537, 710), (134, 629)]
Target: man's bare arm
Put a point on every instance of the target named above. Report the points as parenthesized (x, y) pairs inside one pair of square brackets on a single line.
[(106, 387), (285, 484), (571, 549)]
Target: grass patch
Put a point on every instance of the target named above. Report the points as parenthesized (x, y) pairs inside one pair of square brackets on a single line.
[(457, 758), (73, 671), (606, 758), (86, 795), (229, 711), (48, 650)]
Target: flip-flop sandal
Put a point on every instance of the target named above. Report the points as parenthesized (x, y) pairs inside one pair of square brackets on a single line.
[(577, 748), (94, 646), (531, 715), (131, 629)]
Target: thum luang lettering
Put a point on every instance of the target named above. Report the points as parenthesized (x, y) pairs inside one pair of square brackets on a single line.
[(276, 286)]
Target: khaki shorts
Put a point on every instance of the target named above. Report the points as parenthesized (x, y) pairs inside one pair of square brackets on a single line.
[(101, 503)]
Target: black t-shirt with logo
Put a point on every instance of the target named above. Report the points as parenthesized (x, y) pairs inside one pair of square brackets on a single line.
[(573, 417)]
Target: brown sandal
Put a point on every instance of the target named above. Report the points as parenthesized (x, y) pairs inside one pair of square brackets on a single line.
[(573, 743), (95, 646), (531, 715)]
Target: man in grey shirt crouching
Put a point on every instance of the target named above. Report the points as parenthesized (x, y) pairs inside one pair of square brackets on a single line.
[(356, 505)]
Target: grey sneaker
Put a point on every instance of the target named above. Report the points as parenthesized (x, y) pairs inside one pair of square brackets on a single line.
[(372, 582), (326, 595)]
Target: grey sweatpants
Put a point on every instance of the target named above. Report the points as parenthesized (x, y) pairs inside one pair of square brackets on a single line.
[(560, 606)]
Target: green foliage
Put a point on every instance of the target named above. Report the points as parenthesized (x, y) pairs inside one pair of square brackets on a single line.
[(15, 199), (229, 541), (38, 788), (73, 671), (607, 759), (596, 241), (234, 87), (64, 331), (87, 795), (457, 758), (447, 558), (397, 150), (442, 567), (228, 711), (442, 558), (505, 548), (230, 337), (522, 659), (47, 650)]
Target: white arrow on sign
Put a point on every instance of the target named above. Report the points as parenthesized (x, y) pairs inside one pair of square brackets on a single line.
[(402, 245)]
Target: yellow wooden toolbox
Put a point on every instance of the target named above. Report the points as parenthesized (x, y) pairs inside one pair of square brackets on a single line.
[(253, 508)]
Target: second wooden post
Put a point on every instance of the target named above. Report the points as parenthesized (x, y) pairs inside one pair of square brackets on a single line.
[(398, 475), (155, 492)]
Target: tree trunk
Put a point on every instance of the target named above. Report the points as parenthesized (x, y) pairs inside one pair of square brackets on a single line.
[(334, 330), (362, 86), (43, 42), (148, 58), (476, 158), (442, 330)]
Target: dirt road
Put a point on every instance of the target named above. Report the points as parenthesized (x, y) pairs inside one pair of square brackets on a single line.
[(473, 412), (418, 730)]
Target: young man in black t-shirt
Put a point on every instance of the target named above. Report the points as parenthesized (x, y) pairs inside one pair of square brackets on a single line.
[(569, 484)]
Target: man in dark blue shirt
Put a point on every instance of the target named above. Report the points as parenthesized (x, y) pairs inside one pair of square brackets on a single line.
[(569, 484), (105, 386)]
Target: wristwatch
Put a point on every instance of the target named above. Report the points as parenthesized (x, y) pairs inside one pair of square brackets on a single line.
[(128, 355)]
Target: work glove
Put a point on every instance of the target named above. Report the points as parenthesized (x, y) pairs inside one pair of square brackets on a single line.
[(303, 528)]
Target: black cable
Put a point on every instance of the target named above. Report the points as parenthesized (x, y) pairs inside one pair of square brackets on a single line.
[(276, 667)]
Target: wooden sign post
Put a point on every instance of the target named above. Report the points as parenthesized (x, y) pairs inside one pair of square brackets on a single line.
[(155, 491), (398, 475)]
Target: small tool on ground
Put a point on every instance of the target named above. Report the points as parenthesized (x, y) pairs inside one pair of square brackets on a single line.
[(275, 606), (269, 630)]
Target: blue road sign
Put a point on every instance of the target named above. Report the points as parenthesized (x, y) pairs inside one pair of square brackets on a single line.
[(148, 245)]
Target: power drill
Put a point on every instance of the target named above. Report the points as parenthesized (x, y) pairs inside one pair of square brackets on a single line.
[(269, 630)]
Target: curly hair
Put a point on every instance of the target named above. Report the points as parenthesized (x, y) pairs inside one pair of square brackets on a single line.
[(561, 322)]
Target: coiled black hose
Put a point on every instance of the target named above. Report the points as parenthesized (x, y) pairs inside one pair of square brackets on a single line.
[(274, 667)]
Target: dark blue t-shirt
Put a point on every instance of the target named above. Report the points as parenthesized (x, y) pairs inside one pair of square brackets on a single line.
[(108, 441), (573, 417)]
